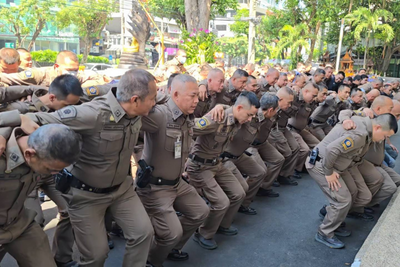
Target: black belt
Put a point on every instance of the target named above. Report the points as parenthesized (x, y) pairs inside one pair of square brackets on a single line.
[(315, 121), (292, 127), (198, 159), (229, 155), (76, 183), (162, 181), (257, 143)]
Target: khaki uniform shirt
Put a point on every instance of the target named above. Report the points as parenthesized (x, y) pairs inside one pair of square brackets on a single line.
[(163, 128), (108, 136), (213, 137), (204, 106), (17, 181), (13, 93), (264, 87), (366, 87), (246, 135), (228, 96), (44, 77), (341, 148), (23, 107), (174, 62), (331, 106), (91, 92), (299, 113)]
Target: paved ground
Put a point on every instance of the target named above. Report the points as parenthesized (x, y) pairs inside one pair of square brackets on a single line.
[(281, 235)]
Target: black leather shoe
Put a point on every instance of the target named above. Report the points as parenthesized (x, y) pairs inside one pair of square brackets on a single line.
[(276, 184), (342, 231), (148, 264), (322, 212), (247, 211), (110, 242), (205, 243), (178, 255), (227, 231), (369, 210), (296, 174), (333, 242), (117, 232), (361, 216), (286, 181), (267, 193), (68, 264)]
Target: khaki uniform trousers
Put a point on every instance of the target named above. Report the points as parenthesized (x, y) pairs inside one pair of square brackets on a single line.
[(256, 175), (268, 154), (63, 240), (306, 142), (287, 145), (223, 191), (235, 171), (320, 131), (87, 211), (171, 231), (360, 193), (393, 174), (30, 249), (340, 201)]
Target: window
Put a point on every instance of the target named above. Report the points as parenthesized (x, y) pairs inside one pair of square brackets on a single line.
[(221, 27)]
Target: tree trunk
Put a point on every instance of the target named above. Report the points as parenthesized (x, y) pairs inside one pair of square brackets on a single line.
[(197, 14), (39, 28), (87, 43), (204, 13), (366, 52), (313, 41), (388, 55)]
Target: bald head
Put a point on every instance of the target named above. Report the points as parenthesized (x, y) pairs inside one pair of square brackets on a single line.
[(272, 76), (396, 109), (213, 73), (286, 96), (9, 60), (371, 95), (65, 56), (382, 104), (179, 82), (66, 63)]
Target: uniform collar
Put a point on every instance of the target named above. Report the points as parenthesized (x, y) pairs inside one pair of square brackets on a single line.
[(368, 124), (230, 119), (37, 102), (300, 95), (260, 115), (350, 100), (176, 112), (14, 156), (117, 111), (337, 100)]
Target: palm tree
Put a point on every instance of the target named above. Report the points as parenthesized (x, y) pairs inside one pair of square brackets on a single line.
[(293, 38), (369, 22)]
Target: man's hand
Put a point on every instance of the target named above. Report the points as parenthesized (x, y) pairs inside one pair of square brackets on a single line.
[(3, 143), (333, 181), (217, 113), (368, 112), (348, 124), (202, 92), (27, 125), (394, 148)]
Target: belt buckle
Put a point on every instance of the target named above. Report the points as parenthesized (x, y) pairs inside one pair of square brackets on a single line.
[(214, 161)]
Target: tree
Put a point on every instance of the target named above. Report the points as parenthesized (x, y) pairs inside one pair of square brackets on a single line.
[(28, 18), (191, 14), (233, 47), (369, 22), (241, 27), (88, 18)]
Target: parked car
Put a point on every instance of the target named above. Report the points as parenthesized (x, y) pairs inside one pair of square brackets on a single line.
[(97, 66)]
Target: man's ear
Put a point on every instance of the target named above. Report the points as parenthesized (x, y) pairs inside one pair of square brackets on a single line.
[(134, 99), (52, 97), (29, 154)]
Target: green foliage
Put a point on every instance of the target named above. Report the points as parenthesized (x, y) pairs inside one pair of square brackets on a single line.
[(50, 56), (233, 46), (88, 18), (28, 18), (199, 45), (175, 9), (293, 38), (241, 27)]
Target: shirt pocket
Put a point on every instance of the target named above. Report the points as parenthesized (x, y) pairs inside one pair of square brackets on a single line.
[(172, 136), (249, 135), (111, 142)]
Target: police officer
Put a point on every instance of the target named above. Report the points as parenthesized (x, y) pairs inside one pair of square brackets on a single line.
[(330, 169), (66, 63), (110, 126), (267, 83), (168, 136), (375, 84), (319, 125), (244, 161), (356, 98), (207, 173), (213, 85), (282, 81), (46, 151), (17, 92)]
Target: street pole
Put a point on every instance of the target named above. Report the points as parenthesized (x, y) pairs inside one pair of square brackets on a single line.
[(121, 9), (251, 53), (339, 46)]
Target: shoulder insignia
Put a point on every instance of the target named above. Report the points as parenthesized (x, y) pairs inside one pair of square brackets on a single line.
[(348, 143), (112, 118), (67, 112), (202, 123), (28, 74), (92, 91), (231, 119)]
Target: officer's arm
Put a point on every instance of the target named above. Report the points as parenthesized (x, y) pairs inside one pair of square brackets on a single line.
[(90, 92), (204, 125), (152, 122), (346, 114), (27, 77), (13, 93), (342, 145)]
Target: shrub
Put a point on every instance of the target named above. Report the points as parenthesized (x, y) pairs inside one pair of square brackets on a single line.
[(50, 56)]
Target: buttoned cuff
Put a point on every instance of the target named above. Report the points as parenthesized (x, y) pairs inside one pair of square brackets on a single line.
[(10, 118)]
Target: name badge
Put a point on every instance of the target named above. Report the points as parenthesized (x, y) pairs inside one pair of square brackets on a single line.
[(178, 148)]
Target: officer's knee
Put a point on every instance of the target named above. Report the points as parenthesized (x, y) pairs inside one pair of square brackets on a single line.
[(365, 198), (172, 236), (222, 204), (239, 195)]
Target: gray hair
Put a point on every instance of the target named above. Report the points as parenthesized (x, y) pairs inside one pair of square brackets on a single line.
[(182, 79), (134, 82), (380, 101), (322, 87), (387, 121), (212, 72), (343, 86), (269, 100), (56, 142), (286, 90), (283, 74), (9, 55), (355, 91), (319, 72)]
